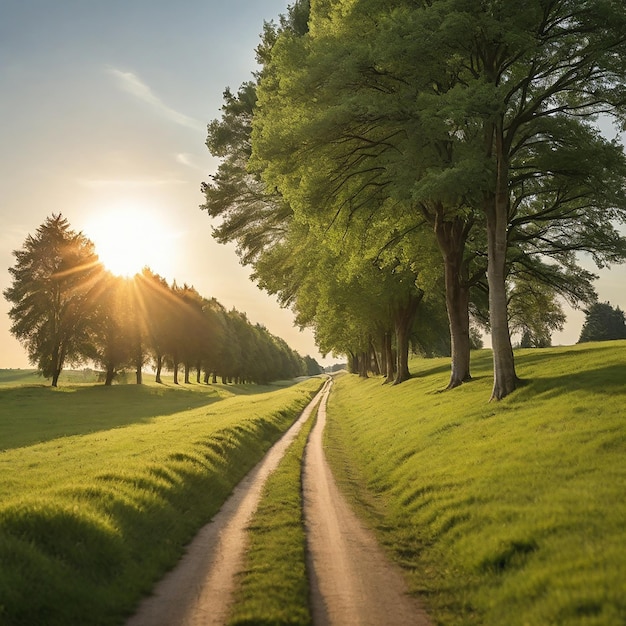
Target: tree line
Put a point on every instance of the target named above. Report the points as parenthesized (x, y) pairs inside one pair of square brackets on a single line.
[(391, 161), (67, 308)]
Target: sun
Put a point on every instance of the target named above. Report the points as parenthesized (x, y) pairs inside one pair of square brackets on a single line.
[(129, 239)]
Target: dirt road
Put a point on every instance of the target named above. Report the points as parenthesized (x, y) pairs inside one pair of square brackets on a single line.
[(198, 591), (352, 582)]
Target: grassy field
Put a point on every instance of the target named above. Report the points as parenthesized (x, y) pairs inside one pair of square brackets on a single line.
[(12, 377), (500, 513), (101, 488)]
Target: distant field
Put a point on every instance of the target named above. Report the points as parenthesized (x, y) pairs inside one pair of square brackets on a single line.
[(12, 377), (508, 513), (101, 487)]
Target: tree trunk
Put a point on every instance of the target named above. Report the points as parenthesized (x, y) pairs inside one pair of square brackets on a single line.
[(364, 363), (176, 365), (497, 211), (451, 237), (187, 371), (159, 367), (198, 373), (110, 374), (214, 379), (377, 365), (58, 356), (354, 363), (390, 361), (139, 374), (403, 319)]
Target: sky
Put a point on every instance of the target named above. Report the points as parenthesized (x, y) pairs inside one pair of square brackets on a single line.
[(103, 115)]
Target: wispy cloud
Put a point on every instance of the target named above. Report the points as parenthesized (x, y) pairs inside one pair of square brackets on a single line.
[(129, 183), (132, 84), (186, 159)]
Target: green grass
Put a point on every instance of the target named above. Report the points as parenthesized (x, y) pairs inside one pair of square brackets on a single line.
[(32, 414), (273, 587), (89, 522), (10, 377), (500, 513)]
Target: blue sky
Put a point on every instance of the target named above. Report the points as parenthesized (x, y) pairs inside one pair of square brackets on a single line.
[(103, 109), (103, 113)]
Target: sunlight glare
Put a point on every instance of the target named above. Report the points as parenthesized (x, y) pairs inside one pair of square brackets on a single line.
[(129, 239)]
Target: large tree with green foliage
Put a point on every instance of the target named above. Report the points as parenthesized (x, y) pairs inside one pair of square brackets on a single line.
[(532, 77), (53, 294), (463, 113)]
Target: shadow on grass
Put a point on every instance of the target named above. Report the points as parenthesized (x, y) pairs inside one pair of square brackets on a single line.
[(430, 371), (35, 414), (609, 380)]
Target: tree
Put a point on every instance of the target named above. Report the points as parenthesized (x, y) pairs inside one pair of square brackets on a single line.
[(534, 313), (313, 368), (53, 293), (111, 341), (356, 148), (493, 126), (603, 323), (532, 78), (158, 304), (252, 216)]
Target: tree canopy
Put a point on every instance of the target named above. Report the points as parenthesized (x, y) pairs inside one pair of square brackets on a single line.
[(55, 286), (475, 120)]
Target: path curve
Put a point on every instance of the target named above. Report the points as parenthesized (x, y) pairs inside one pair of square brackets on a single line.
[(352, 580), (198, 591)]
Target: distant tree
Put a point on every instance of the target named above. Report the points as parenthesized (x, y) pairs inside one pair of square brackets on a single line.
[(313, 368), (110, 343), (534, 313), (476, 339), (159, 307), (192, 329), (603, 323), (137, 327), (53, 293), (210, 339)]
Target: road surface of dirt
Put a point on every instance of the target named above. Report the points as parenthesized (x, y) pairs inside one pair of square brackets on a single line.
[(352, 581), (198, 591)]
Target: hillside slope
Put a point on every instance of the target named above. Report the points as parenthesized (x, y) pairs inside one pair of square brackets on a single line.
[(501, 513)]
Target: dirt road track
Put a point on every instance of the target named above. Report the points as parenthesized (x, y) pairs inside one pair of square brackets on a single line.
[(199, 589), (352, 582)]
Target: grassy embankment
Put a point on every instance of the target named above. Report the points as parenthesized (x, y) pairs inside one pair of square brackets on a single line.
[(101, 488), (501, 513)]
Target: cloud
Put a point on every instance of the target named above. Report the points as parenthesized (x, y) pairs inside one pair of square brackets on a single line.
[(129, 183), (132, 84), (186, 159)]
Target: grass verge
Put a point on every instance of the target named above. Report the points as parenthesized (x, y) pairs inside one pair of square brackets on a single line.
[(273, 586), (89, 522), (500, 513)]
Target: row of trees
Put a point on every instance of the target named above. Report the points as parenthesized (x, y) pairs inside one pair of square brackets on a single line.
[(386, 147), (67, 308), (603, 323)]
